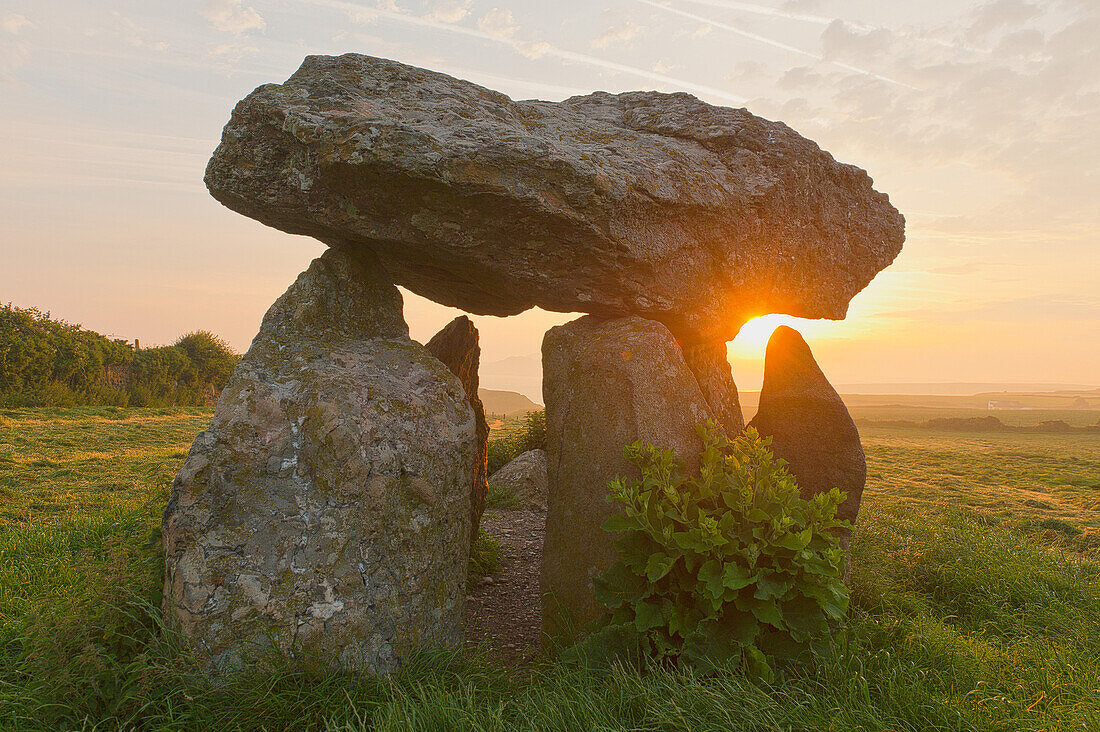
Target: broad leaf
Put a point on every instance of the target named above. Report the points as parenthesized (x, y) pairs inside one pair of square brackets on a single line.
[(618, 522), (804, 619), (767, 611), (658, 566), (734, 576), (756, 665), (711, 647), (796, 541), (649, 614), (770, 585), (710, 575), (618, 585)]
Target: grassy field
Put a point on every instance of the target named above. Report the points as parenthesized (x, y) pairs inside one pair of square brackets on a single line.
[(976, 605), (80, 462), (1035, 482), (1035, 408)]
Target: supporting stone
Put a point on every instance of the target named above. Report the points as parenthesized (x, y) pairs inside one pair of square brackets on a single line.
[(711, 368), (326, 508), (809, 425), (457, 347), (606, 384)]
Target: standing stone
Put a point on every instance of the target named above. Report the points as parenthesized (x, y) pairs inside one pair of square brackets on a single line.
[(326, 508), (457, 347), (711, 369), (525, 478), (606, 384), (809, 425)]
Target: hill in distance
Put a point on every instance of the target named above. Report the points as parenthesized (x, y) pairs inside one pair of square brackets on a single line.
[(507, 403), (962, 388)]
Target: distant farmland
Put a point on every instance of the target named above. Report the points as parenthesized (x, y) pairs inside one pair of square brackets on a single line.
[(1077, 408)]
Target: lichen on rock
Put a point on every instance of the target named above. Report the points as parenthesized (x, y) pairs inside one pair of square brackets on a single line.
[(326, 508), (606, 383), (658, 205), (524, 478), (809, 425)]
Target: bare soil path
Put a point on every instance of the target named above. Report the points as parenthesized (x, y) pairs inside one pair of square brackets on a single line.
[(504, 611)]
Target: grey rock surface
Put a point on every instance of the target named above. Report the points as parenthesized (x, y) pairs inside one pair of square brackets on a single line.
[(326, 509), (711, 368), (643, 203), (524, 477), (457, 347), (809, 425), (606, 384)]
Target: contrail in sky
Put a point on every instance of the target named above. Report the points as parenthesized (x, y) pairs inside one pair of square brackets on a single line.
[(531, 50), (773, 12), (825, 20), (770, 41)]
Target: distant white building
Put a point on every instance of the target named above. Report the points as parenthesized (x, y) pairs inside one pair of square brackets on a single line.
[(1004, 404)]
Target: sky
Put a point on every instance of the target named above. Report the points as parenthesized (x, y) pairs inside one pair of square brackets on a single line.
[(981, 120)]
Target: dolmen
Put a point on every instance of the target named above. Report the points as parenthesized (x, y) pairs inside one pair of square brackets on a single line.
[(330, 506)]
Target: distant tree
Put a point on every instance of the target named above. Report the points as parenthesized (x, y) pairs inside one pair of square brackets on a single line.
[(212, 360), (48, 362)]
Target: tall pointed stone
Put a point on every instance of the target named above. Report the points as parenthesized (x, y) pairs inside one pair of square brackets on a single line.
[(606, 384), (327, 506), (809, 425), (457, 347)]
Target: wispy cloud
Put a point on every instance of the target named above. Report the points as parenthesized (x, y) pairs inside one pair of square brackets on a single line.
[(789, 13), (1000, 14), (137, 36), (12, 23), (448, 11), (770, 41), (533, 49), (233, 53), (14, 52), (233, 16), (498, 22), (764, 10), (618, 34)]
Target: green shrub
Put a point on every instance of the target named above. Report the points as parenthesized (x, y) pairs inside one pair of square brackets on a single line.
[(45, 362), (211, 360), (531, 435), (719, 567)]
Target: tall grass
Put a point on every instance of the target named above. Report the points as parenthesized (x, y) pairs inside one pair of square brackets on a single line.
[(960, 620), (957, 625)]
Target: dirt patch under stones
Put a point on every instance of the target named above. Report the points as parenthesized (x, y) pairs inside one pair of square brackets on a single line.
[(504, 611)]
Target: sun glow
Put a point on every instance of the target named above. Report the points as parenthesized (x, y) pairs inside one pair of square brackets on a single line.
[(746, 351), (753, 336)]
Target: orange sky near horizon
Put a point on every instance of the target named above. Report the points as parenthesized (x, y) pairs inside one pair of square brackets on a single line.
[(978, 118)]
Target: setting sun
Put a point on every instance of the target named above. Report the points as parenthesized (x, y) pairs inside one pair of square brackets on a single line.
[(753, 336)]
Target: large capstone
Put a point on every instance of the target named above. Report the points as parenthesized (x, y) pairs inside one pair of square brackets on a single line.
[(809, 425), (327, 507), (643, 203), (457, 347), (606, 384)]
